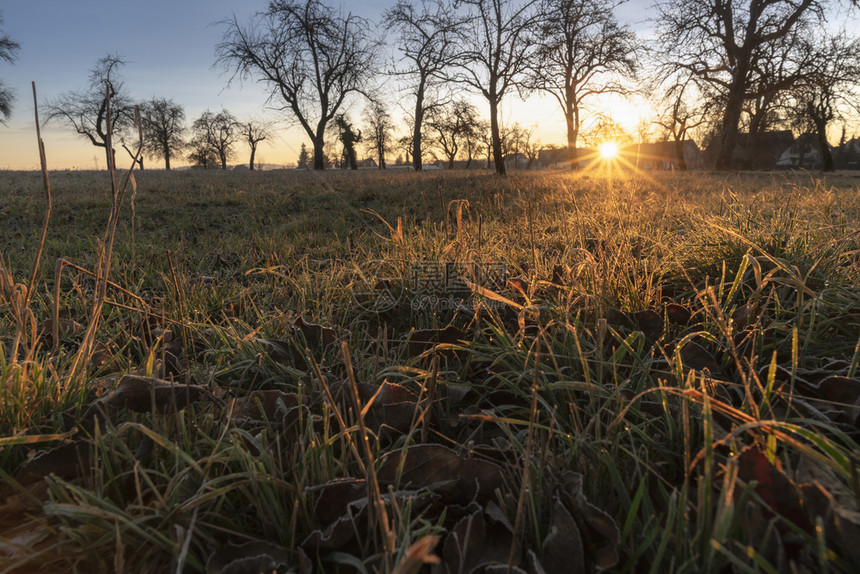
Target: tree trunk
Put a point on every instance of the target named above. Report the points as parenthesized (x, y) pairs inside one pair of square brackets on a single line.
[(497, 138), (679, 151), (416, 129), (731, 119), (319, 154), (166, 151), (827, 163), (253, 153), (572, 135)]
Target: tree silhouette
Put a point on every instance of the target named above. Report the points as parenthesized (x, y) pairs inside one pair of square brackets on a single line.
[(217, 131), (379, 126), (497, 49), (453, 126), (722, 43), (87, 112), (163, 123), (253, 132), (831, 90), (582, 52), (310, 58), (9, 52), (428, 39)]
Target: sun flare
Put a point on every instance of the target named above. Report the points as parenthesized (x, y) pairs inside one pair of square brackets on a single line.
[(608, 150)]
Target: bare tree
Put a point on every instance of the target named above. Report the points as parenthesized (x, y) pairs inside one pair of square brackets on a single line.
[(163, 123), (497, 49), (253, 132), (86, 112), (721, 42), (379, 125), (428, 39), (218, 131), (452, 126), (201, 153), (9, 52), (678, 117), (310, 58), (582, 52), (831, 90)]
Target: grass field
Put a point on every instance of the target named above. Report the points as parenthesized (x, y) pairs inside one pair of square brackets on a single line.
[(437, 372)]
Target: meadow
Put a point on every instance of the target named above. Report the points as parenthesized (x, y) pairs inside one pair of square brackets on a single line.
[(439, 372)]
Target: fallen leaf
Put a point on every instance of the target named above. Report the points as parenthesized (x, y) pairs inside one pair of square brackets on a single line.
[(483, 538), (456, 480), (264, 405), (316, 335), (426, 339), (144, 394), (777, 490), (562, 548), (600, 534), (66, 461), (649, 322)]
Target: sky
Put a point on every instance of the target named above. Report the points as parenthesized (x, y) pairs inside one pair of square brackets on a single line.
[(169, 49)]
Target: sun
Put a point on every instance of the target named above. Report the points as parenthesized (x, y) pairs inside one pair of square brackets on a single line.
[(608, 150)]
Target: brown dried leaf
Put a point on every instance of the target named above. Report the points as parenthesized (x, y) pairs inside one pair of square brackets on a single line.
[(600, 536), (316, 335), (841, 524), (254, 556), (696, 357), (283, 352), (425, 339), (263, 405), (562, 549), (678, 314), (649, 322), (332, 498), (776, 489), (482, 539), (143, 394), (456, 480), (67, 461)]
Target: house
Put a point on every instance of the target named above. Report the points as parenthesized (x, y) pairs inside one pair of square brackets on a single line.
[(662, 155), (847, 155), (755, 151), (557, 157), (516, 161), (804, 153)]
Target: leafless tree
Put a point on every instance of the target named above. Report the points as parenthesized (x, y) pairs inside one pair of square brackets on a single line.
[(200, 152), (253, 132), (86, 112), (831, 90), (163, 123), (309, 57), (721, 42), (582, 52), (452, 127), (497, 49), (219, 131), (428, 37), (678, 116), (9, 53), (379, 125)]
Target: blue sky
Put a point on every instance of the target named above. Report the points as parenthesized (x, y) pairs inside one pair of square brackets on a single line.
[(169, 48)]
